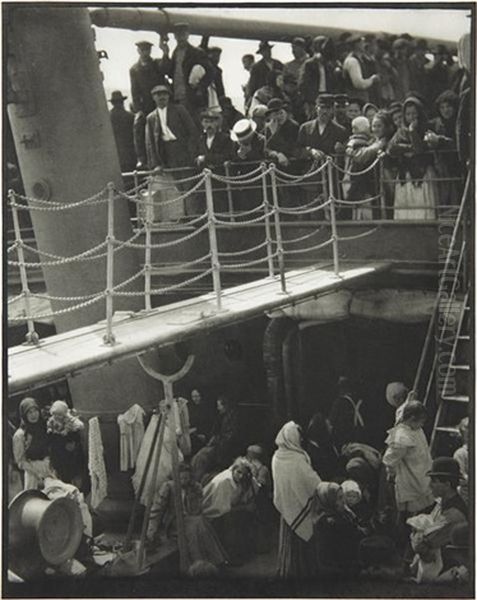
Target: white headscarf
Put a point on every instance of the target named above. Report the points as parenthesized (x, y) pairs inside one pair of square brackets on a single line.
[(294, 481)]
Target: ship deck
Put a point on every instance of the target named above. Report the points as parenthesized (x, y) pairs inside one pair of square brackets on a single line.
[(74, 351)]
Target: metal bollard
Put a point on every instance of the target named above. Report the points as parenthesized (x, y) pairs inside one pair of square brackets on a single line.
[(109, 336), (334, 231), (278, 230), (213, 239), (32, 336)]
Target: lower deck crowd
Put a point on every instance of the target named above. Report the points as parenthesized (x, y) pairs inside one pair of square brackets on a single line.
[(327, 504)]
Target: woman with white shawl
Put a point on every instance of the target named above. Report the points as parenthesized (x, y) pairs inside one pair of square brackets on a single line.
[(295, 484)]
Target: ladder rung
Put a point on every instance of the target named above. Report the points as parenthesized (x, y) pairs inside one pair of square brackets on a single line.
[(456, 398), (447, 429), (466, 307), (464, 338), (460, 367)]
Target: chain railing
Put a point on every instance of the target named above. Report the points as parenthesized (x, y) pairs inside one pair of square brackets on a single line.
[(265, 203)]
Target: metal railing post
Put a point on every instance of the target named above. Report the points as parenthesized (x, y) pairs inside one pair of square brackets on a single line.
[(109, 337), (381, 190), (31, 336), (230, 199), (268, 231), (147, 252), (137, 195), (214, 251), (278, 230), (334, 230)]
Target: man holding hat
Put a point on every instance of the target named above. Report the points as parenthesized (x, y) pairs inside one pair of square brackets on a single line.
[(259, 75), (144, 75), (171, 135), (359, 77), (123, 125), (316, 75), (322, 136), (300, 55), (191, 72)]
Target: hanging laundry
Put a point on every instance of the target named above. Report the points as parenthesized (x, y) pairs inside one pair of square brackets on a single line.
[(97, 468), (131, 430)]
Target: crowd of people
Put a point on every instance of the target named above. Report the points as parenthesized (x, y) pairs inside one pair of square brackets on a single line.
[(356, 98), (328, 503)]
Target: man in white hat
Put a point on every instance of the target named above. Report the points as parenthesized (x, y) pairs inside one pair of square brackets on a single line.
[(250, 150)]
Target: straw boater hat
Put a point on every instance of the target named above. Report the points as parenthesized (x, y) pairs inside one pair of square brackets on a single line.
[(42, 532), (243, 130)]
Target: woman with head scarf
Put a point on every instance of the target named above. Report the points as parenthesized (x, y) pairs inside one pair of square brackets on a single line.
[(229, 502), (30, 444), (294, 483), (337, 533), (415, 196)]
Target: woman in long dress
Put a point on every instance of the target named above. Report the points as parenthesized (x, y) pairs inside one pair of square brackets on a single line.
[(415, 195), (30, 444), (295, 483)]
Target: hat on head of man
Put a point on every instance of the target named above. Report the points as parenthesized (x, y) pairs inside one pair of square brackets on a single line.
[(259, 111), (243, 130), (341, 99), (274, 105), (445, 467), (264, 45), (144, 44), (161, 89), (117, 96), (177, 27), (354, 38), (325, 100), (299, 41), (208, 113)]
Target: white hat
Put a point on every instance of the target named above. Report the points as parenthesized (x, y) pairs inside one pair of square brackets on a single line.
[(242, 130)]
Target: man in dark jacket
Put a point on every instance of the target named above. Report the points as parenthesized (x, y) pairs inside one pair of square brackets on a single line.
[(215, 147), (281, 133), (191, 72), (171, 136), (123, 122), (317, 74), (144, 75), (300, 55), (259, 75), (322, 136), (214, 55)]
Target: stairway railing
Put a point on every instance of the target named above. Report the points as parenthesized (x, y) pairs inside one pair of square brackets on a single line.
[(441, 293)]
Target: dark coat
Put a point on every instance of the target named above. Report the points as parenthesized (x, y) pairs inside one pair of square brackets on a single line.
[(346, 427), (143, 78), (182, 126), (257, 150), (219, 81), (309, 81), (309, 136), (360, 155), (123, 122), (284, 139), (196, 97), (222, 149), (337, 537), (259, 74), (410, 152)]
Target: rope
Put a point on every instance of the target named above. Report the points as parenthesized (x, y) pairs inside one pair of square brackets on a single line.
[(164, 290), (303, 237), (59, 260), (357, 202), (356, 173), (317, 247), (241, 252), (240, 182), (240, 223), (182, 264), (298, 178), (68, 298), (128, 281), (294, 211), (241, 213), (231, 267), (58, 312), (51, 205), (15, 298), (12, 247), (168, 244), (135, 188), (231, 178), (359, 235)]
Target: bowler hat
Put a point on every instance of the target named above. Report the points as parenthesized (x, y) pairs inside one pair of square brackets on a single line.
[(159, 89), (264, 44), (444, 466), (243, 130), (210, 114), (143, 44), (325, 99), (117, 96), (273, 105), (54, 526)]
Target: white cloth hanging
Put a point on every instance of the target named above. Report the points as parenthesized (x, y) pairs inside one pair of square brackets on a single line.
[(96, 466), (131, 432)]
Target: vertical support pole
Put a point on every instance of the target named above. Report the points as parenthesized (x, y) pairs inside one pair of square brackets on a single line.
[(230, 199), (334, 231), (278, 230), (31, 336), (326, 194), (268, 231), (381, 190), (137, 195), (177, 484), (213, 239), (109, 337), (147, 252)]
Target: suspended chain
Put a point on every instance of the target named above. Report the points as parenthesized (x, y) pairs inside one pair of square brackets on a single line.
[(241, 213), (158, 291), (180, 198), (357, 173), (294, 211), (169, 244), (182, 264), (59, 312), (249, 222), (231, 267), (359, 235), (357, 202), (317, 247), (242, 252), (303, 237)]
